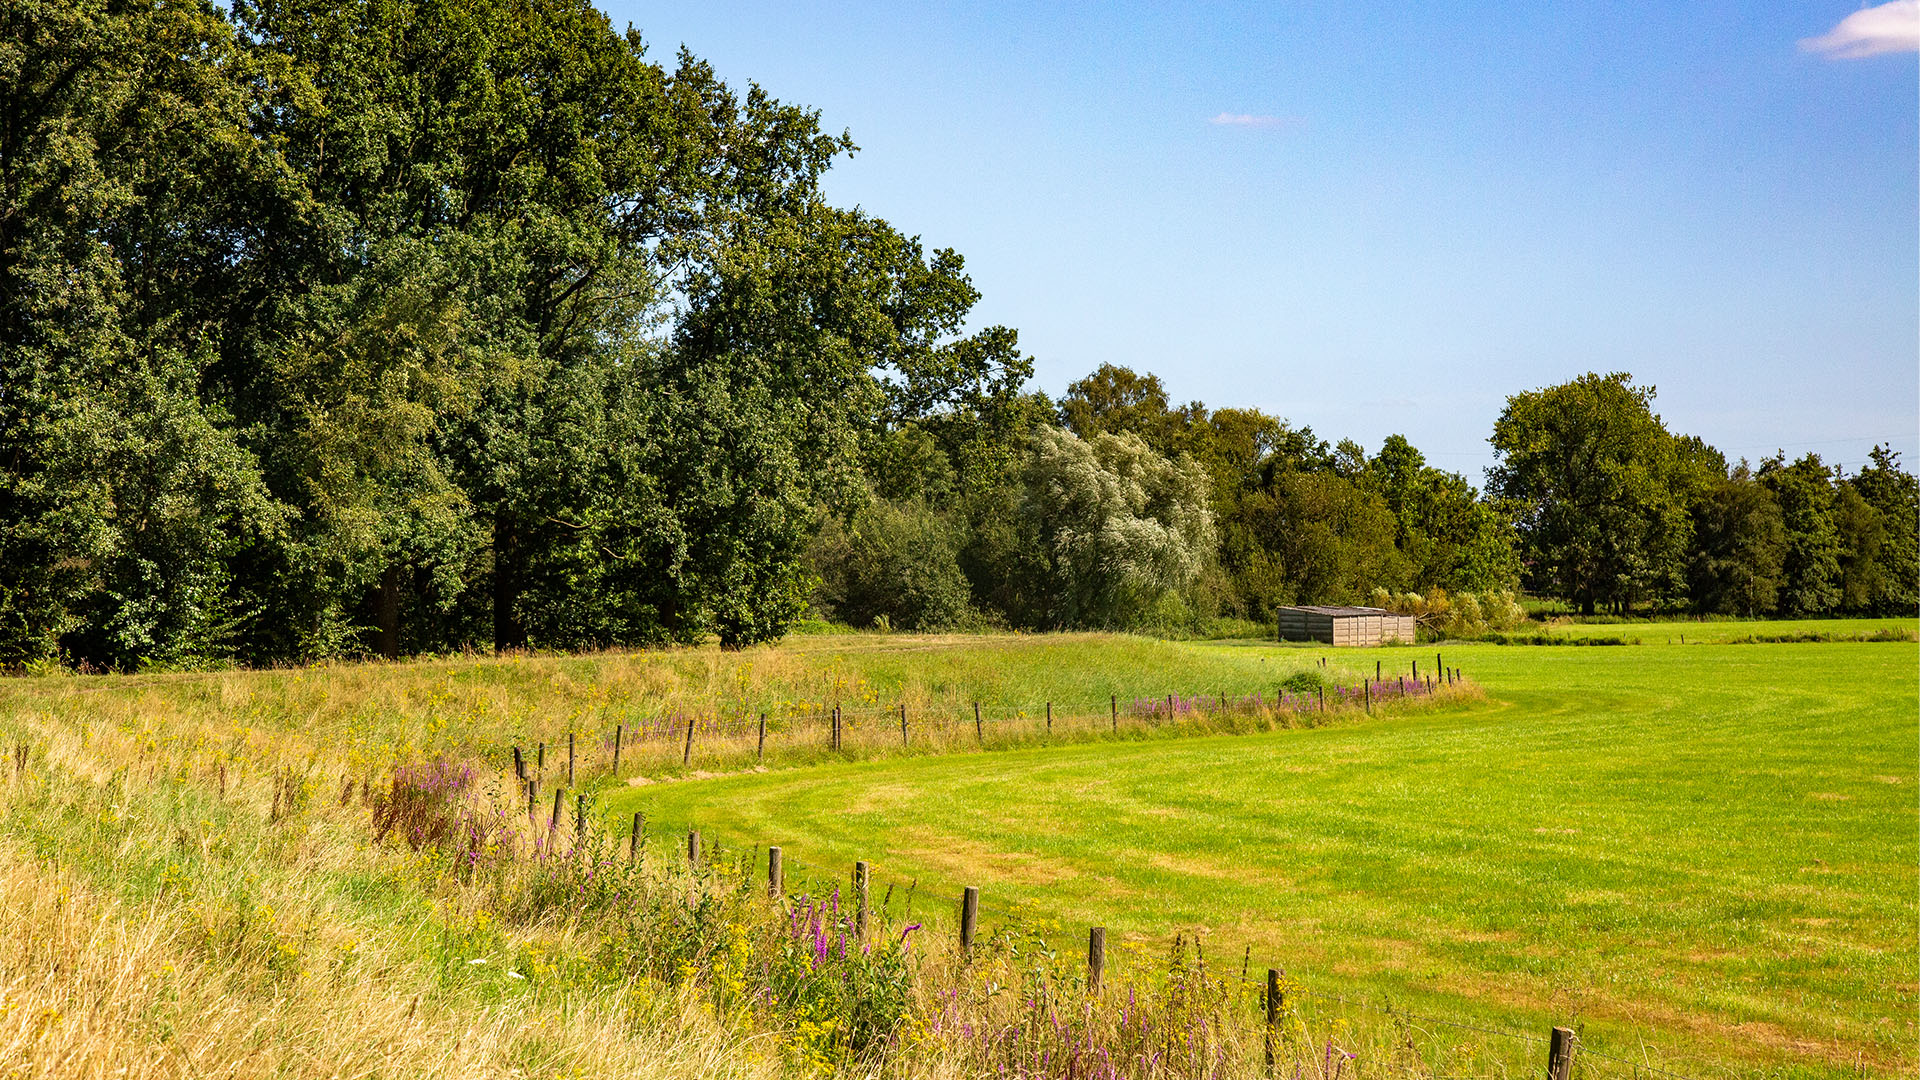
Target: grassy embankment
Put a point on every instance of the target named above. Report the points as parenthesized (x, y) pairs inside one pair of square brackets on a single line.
[(1705, 856)]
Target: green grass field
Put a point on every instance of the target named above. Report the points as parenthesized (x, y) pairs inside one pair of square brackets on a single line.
[(1678, 631), (1703, 857)]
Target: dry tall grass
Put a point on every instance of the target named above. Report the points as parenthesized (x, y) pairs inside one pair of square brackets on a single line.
[(154, 924), (365, 716)]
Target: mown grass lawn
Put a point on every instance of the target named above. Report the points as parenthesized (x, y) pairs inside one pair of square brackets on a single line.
[(1703, 856), (1682, 631)]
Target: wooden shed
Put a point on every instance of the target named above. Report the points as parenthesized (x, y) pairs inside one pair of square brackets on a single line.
[(1345, 625)]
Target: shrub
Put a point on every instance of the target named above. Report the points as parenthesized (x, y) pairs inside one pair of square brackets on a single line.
[(895, 566), (1303, 682), (1457, 614)]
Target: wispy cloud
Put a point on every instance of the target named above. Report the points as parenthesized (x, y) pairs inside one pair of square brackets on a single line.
[(1254, 120), (1891, 27)]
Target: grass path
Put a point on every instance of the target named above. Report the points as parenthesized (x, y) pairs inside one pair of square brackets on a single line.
[(1708, 850)]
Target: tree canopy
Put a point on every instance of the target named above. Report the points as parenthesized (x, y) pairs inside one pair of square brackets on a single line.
[(1602, 489), (412, 326)]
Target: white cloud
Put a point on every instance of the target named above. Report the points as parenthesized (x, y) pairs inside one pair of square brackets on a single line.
[(1250, 120), (1892, 27)]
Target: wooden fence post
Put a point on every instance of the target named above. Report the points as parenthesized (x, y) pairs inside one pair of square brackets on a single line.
[(1113, 704), (760, 752), (569, 759), (1049, 717), (533, 800), (519, 764), (540, 757), (1437, 665), (686, 755), (1096, 958), (553, 823), (979, 733), (969, 915), (638, 837), (1366, 689), (1273, 1012), (776, 874), (618, 731), (1376, 671), (1322, 691), (579, 818), (860, 900), (693, 849), (1560, 1055)]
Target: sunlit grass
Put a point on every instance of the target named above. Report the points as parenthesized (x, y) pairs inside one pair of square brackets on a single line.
[(189, 870), (363, 717), (1703, 857), (1709, 851), (157, 920), (1690, 631)]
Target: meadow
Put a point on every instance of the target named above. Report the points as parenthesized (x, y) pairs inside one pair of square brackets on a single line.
[(1715, 631), (1702, 858), (327, 872)]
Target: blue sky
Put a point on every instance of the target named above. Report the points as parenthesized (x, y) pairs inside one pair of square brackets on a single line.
[(1387, 218)]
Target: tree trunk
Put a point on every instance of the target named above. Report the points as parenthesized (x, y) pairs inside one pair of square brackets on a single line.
[(387, 612), (507, 631)]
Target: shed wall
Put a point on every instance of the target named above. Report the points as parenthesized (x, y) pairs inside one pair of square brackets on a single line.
[(1345, 630), (1307, 626)]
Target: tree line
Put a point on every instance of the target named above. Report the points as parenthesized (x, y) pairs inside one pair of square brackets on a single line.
[(412, 326)]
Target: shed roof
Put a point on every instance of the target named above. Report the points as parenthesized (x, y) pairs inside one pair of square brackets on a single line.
[(1339, 612)]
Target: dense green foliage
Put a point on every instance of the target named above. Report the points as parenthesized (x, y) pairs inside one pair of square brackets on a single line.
[(1616, 511), (420, 325), (412, 325)]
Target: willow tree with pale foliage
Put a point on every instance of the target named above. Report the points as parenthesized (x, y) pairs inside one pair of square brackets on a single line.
[(1112, 532)]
